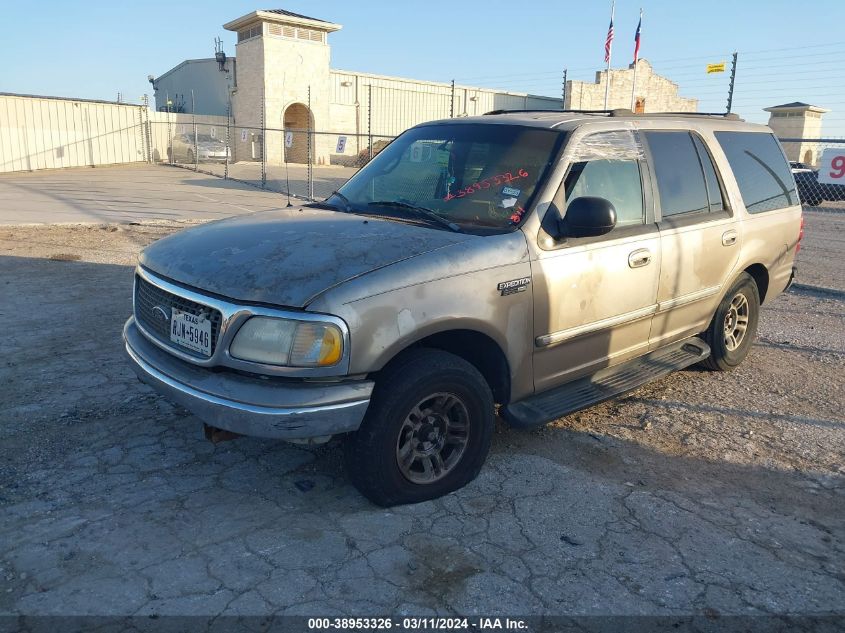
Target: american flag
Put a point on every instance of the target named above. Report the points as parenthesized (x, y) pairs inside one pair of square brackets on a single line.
[(637, 38), (608, 43)]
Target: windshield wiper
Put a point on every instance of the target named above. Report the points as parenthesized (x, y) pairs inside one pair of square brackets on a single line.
[(342, 197), (322, 204), (328, 205), (422, 211)]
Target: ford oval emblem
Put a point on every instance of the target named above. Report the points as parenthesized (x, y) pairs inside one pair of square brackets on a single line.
[(162, 314)]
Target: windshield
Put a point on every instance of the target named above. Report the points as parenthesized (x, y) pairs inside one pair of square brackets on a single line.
[(480, 178)]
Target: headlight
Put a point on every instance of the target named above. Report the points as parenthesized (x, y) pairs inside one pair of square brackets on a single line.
[(289, 343)]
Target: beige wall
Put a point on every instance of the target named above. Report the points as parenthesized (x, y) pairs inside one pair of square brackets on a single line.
[(43, 133), (50, 133), (399, 103), (246, 101), (660, 94)]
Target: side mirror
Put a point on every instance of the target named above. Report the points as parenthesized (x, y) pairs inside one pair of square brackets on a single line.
[(587, 216)]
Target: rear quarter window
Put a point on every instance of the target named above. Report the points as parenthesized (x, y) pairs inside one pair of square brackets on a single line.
[(761, 171)]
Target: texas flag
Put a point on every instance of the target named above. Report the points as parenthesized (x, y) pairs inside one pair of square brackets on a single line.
[(637, 38)]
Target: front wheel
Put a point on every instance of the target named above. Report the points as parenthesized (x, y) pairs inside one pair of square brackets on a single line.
[(734, 326), (427, 431)]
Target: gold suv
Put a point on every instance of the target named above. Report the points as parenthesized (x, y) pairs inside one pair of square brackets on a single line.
[(539, 261)]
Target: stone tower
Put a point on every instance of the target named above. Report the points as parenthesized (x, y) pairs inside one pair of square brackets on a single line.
[(281, 55), (798, 120)]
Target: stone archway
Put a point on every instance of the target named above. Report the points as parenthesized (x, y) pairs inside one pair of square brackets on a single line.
[(297, 119)]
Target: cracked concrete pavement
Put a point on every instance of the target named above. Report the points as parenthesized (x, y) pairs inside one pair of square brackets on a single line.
[(701, 493)]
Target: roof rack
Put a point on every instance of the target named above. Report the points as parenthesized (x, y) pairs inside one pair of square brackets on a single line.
[(549, 111), (619, 112), (731, 116)]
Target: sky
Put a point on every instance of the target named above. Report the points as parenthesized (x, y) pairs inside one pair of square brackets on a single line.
[(95, 48)]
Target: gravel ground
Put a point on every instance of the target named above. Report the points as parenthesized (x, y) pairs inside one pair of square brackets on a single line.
[(820, 261), (702, 493)]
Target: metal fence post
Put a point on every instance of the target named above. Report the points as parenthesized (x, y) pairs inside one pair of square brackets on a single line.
[(731, 87), (563, 92), (194, 123), (310, 151), (370, 117), (148, 135), (263, 144), (228, 137), (141, 133), (452, 102), (169, 130)]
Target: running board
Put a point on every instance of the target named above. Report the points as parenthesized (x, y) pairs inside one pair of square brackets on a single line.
[(604, 385)]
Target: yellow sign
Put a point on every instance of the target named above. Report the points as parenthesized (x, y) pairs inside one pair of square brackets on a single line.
[(716, 68)]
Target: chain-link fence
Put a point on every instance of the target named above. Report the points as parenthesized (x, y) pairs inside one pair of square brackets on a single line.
[(311, 164), (285, 151), (296, 159), (306, 164), (818, 165)]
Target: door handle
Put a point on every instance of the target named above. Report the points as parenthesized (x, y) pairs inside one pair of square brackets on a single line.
[(728, 238), (639, 258)]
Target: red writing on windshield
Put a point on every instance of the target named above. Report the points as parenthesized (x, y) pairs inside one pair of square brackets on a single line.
[(499, 179)]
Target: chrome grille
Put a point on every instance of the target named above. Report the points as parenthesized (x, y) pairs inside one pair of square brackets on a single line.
[(148, 296)]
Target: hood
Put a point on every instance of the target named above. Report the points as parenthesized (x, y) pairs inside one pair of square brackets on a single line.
[(286, 257)]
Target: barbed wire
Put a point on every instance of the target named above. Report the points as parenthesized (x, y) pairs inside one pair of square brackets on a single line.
[(672, 62)]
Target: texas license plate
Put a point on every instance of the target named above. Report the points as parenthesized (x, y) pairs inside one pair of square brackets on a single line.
[(191, 331)]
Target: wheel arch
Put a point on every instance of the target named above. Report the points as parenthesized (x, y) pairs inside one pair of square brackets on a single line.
[(760, 274), (477, 348)]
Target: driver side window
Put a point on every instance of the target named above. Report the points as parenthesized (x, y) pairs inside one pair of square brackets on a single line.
[(618, 181)]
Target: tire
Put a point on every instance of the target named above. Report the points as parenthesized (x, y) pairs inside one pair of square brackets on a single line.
[(453, 402), (742, 301)]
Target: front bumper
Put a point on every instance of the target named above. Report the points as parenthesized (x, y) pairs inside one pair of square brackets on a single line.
[(246, 405)]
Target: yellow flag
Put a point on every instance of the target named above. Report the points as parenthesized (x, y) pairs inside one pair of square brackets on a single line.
[(716, 68)]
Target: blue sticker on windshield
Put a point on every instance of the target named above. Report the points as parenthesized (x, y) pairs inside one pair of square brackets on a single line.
[(510, 191)]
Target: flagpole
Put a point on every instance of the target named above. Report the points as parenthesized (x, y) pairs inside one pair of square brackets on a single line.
[(634, 89), (636, 63), (609, 55)]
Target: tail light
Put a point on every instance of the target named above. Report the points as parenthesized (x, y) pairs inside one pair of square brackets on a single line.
[(800, 236)]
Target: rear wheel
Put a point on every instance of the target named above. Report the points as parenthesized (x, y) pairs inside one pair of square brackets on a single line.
[(427, 431), (734, 326)]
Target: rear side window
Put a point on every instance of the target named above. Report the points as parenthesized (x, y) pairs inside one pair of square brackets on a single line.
[(761, 171), (714, 191), (677, 168)]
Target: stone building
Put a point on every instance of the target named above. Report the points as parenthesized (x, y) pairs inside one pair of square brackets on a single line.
[(653, 93), (799, 121), (283, 82)]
